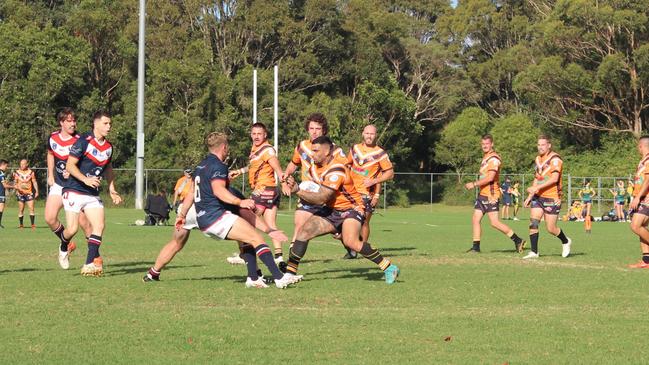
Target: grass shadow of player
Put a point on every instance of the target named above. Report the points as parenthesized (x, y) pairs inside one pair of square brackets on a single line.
[(571, 254), (233, 278), (27, 269), (368, 273), (125, 268)]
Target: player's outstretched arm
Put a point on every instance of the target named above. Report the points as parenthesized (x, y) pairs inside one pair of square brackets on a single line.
[(385, 176), (274, 163), (320, 197), (290, 169), (233, 174), (223, 194)]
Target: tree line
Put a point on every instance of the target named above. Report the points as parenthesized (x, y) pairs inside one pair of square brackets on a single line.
[(430, 76)]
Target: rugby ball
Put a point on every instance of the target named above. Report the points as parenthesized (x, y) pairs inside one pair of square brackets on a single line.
[(309, 186)]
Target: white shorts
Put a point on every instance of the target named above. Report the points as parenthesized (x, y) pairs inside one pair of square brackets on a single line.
[(222, 226), (55, 190), (75, 202), (190, 218)]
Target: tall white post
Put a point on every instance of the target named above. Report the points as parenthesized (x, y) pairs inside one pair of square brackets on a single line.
[(254, 96), (275, 106), (139, 161)]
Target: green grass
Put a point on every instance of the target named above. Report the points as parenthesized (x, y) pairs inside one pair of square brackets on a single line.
[(447, 307)]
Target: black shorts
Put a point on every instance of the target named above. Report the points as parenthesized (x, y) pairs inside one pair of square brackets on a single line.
[(337, 217), (367, 202), (266, 199), (549, 205), (25, 197), (2, 199), (313, 209), (482, 204), (642, 209)]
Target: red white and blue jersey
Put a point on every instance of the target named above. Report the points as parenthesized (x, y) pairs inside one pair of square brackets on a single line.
[(93, 157), (60, 149), (209, 208)]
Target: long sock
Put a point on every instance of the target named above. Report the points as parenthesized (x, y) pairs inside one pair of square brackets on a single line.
[(263, 252), (94, 242), (476, 245), (295, 255), (278, 252), (58, 232), (1, 217), (64, 243), (32, 218), (20, 219), (248, 255), (645, 258), (514, 237), (562, 237), (374, 255), (153, 273), (534, 241)]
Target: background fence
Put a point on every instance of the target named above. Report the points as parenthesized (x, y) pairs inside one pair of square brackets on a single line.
[(407, 188)]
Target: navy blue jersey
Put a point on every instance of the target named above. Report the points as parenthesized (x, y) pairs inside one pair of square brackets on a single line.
[(208, 207), (93, 159), (2, 179), (60, 149)]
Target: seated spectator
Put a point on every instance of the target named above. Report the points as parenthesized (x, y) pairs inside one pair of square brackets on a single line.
[(157, 209)]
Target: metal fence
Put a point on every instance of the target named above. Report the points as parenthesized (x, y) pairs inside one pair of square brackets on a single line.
[(407, 188)]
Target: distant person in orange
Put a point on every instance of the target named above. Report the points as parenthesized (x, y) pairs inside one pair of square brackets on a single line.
[(370, 166), (489, 197), (544, 197), (26, 191), (182, 188), (262, 167)]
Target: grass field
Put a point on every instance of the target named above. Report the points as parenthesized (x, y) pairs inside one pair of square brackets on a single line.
[(447, 307)]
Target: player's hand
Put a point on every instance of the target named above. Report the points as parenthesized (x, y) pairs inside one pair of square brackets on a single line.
[(247, 204), (532, 190), (368, 182), (375, 201), (66, 174), (234, 174), (35, 194), (115, 197), (278, 235), (288, 185), (50, 180), (469, 185), (180, 222), (92, 181), (634, 203), (527, 201)]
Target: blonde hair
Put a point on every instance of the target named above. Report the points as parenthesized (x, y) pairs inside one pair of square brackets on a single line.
[(216, 140)]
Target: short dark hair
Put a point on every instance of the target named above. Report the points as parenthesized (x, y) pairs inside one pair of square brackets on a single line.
[(100, 114), (317, 118), (3, 161), (545, 137), (63, 114), (323, 140), (260, 125), (488, 136)]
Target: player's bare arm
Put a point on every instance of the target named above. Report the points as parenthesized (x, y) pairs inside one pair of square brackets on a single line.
[(534, 189), (50, 168), (274, 163), (290, 169), (488, 179), (35, 184), (110, 177), (644, 189), (73, 169), (233, 174), (385, 176), (222, 192)]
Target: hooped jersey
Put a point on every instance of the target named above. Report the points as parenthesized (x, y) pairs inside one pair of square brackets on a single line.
[(2, 180), (209, 208), (490, 162), (543, 170), (641, 173), (23, 181), (336, 176), (367, 162), (260, 173), (60, 149), (303, 156), (94, 156)]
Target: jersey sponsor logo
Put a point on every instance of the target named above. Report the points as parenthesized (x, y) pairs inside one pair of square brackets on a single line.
[(360, 171), (200, 213), (333, 178)]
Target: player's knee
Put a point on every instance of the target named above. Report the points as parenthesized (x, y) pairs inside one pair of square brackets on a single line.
[(534, 224)]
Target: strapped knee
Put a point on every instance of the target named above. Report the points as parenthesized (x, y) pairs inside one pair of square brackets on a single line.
[(534, 223)]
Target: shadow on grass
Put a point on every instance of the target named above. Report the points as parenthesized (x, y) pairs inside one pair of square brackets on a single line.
[(368, 273), (236, 279), (27, 269), (131, 267)]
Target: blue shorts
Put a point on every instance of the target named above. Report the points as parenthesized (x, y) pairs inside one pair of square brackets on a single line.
[(485, 206), (25, 198), (313, 209), (549, 205), (3, 199)]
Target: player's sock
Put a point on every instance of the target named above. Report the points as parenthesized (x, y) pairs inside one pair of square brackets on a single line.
[(32, 218), (562, 237), (278, 252), (58, 232), (20, 220), (514, 237), (374, 255), (476, 246), (295, 255), (64, 243), (534, 241), (1, 218), (248, 255), (154, 274), (263, 252), (94, 242)]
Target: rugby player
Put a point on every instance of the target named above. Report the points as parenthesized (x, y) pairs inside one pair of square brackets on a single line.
[(181, 189), (619, 195), (211, 195), (58, 149), (586, 194), (88, 163), (262, 167), (639, 207), (489, 197), (370, 166), (26, 191), (331, 185), (544, 197), (4, 186)]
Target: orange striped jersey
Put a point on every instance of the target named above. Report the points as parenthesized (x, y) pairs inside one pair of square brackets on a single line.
[(490, 162), (336, 176), (367, 162), (641, 173), (543, 170), (182, 187), (23, 181), (260, 173), (303, 156)]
